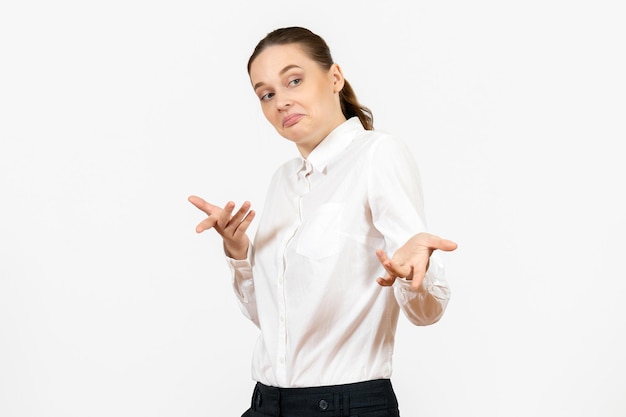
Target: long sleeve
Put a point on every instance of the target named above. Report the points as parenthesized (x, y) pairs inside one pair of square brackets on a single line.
[(314, 295), (396, 201), (243, 285), (426, 304)]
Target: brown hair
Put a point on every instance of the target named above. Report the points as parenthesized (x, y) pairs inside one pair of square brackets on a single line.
[(318, 50)]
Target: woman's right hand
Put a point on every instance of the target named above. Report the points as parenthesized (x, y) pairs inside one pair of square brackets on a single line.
[(231, 227)]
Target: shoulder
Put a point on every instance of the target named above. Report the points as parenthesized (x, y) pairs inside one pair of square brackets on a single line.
[(287, 168), (381, 144)]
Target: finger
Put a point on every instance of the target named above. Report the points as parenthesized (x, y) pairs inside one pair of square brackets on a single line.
[(385, 261), (447, 245), (195, 200), (203, 205), (382, 256), (243, 226), (394, 268), (417, 276), (386, 281), (235, 221), (206, 224), (398, 270), (224, 216), (436, 242), (416, 283)]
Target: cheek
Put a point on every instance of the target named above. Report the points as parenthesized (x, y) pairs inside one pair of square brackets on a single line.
[(268, 113), (324, 95)]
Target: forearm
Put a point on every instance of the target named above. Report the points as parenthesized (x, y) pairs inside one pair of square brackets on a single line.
[(426, 304), (243, 285)]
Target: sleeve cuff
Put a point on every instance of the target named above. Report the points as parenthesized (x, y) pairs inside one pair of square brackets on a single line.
[(433, 283)]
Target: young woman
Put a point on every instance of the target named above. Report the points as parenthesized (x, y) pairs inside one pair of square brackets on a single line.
[(317, 279)]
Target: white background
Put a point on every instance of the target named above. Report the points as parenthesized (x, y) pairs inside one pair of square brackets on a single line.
[(112, 113)]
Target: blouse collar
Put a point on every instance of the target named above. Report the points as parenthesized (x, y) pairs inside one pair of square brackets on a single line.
[(333, 144)]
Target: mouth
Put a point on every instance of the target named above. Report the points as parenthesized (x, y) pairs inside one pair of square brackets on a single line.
[(292, 119)]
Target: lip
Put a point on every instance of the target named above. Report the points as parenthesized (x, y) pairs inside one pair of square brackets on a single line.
[(292, 119)]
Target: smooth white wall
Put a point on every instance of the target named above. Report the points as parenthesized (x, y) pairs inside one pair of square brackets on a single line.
[(112, 113)]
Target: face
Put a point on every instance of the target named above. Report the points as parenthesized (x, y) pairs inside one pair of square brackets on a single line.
[(298, 97)]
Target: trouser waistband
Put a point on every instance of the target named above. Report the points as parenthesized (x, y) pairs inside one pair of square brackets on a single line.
[(333, 400)]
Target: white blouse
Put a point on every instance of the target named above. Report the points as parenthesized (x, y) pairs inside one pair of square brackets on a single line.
[(309, 282)]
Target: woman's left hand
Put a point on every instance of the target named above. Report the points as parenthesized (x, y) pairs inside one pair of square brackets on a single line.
[(411, 260)]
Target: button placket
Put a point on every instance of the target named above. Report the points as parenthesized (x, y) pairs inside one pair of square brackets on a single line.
[(281, 353)]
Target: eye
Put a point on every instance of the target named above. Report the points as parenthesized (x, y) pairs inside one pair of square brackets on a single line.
[(267, 96), (295, 82)]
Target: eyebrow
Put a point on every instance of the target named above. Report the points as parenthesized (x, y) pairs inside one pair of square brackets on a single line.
[(282, 71)]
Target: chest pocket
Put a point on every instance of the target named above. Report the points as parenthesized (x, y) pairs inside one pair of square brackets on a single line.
[(320, 233)]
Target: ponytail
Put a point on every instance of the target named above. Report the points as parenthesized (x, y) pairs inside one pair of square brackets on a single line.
[(351, 107)]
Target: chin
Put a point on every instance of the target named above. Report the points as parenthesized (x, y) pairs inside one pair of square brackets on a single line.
[(292, 138), (291, 134)]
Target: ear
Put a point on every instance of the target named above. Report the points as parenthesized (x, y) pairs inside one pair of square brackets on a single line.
[(337, 77)]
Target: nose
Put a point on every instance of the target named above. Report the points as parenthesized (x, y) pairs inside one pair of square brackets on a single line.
[(283, 102)]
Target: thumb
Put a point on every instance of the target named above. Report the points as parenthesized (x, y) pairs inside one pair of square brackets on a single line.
[(446, 245)]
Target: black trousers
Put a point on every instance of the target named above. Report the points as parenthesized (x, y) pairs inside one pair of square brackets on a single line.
[(362, 399)]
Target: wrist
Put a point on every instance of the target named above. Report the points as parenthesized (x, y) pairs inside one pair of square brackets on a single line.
[(238, 252)]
